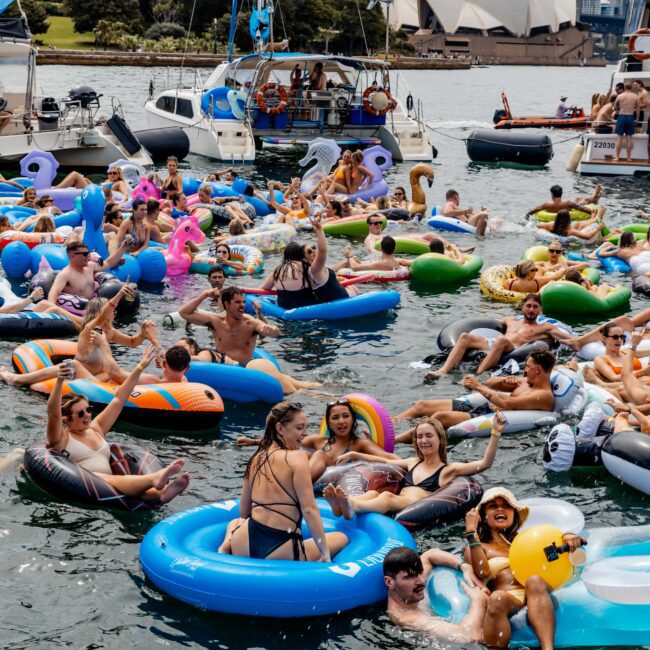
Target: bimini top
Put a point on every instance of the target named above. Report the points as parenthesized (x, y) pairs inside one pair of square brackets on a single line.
[(290, 58), (14, 29)]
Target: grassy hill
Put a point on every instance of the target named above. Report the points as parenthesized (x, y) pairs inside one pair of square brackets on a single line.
[(61, 35)]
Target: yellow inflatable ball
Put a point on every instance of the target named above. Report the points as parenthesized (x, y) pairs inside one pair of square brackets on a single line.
[(527, 557)]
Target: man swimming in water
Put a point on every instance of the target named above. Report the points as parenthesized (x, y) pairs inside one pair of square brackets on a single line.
[(557, 203), (405, 574), (452, 209), (533, 392), (518, 332)]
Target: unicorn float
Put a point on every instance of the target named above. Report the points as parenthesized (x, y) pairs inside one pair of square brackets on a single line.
[(177, 258), (326, 153), (41, 168)]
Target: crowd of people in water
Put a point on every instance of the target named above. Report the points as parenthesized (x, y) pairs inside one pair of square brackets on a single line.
[(277, 492)]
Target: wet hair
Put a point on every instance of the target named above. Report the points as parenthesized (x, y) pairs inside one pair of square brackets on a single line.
[(153, 205), (337, 207), (216, 268), (357, 156), (436, 245), (483, 531), (535, 297), (223, 246), (354, 430), (236, 227), (608, 327), (137, 203), (561, 223), (113, 215), (544, 359), (523, 268), (229, 293), (402, 559), (293, 252), (191, 344), (75, 246), (627, 240), (68, 402), (556, 192), (388, 245), (442, 437), (94, 306), (573, 276), (45, 224), (177, 358), (451, 194), (281, 413)]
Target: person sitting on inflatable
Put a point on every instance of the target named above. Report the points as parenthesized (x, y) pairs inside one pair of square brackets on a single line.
[(343, 440), (222, 255), (157, 232), (489, 531), (405, 574), (387, 261), (36, 303), (557, 203), (77, 282), (533, 392), (556, 260), (134, 233), (525, 280), (72, 429), (398, 199), (518, 332), (584, 230), (300, 282), (235, 334), (229, 204), (356, 175), (375, 223), (299, 207), (629, 250), (600, 290), (115, 183), (335, 182), (235, 228), (4, 223), (452, 209), (277, 494), (28, 199)]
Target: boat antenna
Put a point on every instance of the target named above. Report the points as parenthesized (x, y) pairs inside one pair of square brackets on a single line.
[(187, 38), (363, 31), (388, 3), (233, 28)]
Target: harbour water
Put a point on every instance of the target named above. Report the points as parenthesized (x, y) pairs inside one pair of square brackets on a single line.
[(69, 576)]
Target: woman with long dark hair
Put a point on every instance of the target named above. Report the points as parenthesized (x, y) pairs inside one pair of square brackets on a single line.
[(587, 230)]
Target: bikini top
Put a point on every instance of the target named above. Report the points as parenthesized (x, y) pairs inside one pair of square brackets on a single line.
[(431, 483), (619, 369)]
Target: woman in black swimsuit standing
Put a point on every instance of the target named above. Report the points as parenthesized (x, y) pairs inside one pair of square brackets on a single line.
[(276, 495), (427, 471), (173, 184)]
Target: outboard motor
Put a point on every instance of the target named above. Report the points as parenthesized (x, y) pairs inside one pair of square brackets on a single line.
[(85, 95), (499, 115)]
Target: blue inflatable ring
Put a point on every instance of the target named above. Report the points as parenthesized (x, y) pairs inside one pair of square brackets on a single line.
[(217, 96), (179, 555)]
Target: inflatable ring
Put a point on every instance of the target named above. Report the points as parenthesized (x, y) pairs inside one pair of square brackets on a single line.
[(407, 246), (215, 103), (493, 281), (374, 415), (181, 406), (204, 217), (252, 259), (273, 93), (631, 44), (29, 325), (31, 239), (569, 298), (269, 239), (54, 473), (540, 254), (434, 268), (626, 456), (395, 275), (359, 477), (576, 215), (450, 223), (623, 580), (179, 556), (566, 240), (367, 100), (354, 226)]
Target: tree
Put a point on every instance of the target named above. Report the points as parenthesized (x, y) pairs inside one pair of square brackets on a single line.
[(35, 12), (109, 33), (86, 15)]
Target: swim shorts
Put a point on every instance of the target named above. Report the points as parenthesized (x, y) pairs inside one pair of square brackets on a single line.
[(625, 125)]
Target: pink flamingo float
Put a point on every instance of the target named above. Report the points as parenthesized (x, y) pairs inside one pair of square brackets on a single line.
[(177, 257)]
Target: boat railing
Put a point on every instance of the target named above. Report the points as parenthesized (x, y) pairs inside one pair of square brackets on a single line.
[(407, 106)]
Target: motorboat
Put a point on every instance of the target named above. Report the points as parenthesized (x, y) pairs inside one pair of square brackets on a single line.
[(503, 119), (70, 128), (265, 99)]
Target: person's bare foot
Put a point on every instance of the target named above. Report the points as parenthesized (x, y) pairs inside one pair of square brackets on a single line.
[(432, 375), (329, 492), (163, 475), (310, 384), (173, 489), (616, 159), (597, 192), (572, 364), (9, 378), (467, 249), (344, 502)]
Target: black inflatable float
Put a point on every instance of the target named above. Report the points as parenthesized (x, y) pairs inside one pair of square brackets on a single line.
[(488, 146), (33, 325), (164, 142)]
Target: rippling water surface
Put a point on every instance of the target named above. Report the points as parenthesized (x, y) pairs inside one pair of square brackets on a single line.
[(70, 576)]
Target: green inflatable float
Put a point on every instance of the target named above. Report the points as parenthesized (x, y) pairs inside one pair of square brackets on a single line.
[(407, 246), (434, 268), (570, 299), (355, 226)]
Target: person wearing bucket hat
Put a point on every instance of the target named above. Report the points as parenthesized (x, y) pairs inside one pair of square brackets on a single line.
[(490, 529), (562, 110)]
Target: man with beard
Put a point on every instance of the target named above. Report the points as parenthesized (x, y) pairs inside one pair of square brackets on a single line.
[(518, 332), (405, 574), (532, 392)]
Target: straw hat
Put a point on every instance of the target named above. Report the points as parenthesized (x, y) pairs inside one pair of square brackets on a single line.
[(504, 493)]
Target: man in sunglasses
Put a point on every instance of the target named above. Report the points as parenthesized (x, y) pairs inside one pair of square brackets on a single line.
[(452, 209), (80, 276), (557, 261)]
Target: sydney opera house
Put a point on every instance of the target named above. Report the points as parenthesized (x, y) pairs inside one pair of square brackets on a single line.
[(504, 31)]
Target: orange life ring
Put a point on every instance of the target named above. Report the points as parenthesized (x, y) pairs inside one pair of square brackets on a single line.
[(631, 46), (369, 108), (272, 93)]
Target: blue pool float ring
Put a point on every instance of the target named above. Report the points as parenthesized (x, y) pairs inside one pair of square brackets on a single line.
[(365, 304), (614, 265), (214, 102), (179, 555), (236, 383), (449, 223)]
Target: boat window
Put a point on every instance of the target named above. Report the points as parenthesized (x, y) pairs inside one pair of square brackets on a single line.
[(171, 104), (165, 104), (184, 108)]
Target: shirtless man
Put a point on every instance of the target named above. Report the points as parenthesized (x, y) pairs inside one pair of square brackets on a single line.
[(555, 261), (405, 575), (532, 392), (375, 235), (387, 261), (78, 278), (452, 209), (627, 109), (235, 334), (518, 332), (557, 203)]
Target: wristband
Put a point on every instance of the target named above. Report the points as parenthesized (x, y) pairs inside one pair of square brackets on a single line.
[(474, 544), (496, 433), (460, 564), (140, 367), (470, 536)]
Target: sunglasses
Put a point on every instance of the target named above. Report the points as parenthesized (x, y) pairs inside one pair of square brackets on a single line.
[(291, 406), (113, 173), (82, 413), (375, 223), (616, 337), (398, 193), (555, 250), (339, 402), (84, 253)]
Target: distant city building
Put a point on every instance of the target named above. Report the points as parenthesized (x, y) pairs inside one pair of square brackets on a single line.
[(603, 8)]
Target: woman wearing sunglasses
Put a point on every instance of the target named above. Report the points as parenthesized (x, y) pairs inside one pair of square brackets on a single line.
[(71, 429), (277, 493), (610, 365)]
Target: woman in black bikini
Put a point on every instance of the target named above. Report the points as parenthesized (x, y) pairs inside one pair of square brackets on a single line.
[(276, 495), (173, 184), (427, 471)]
